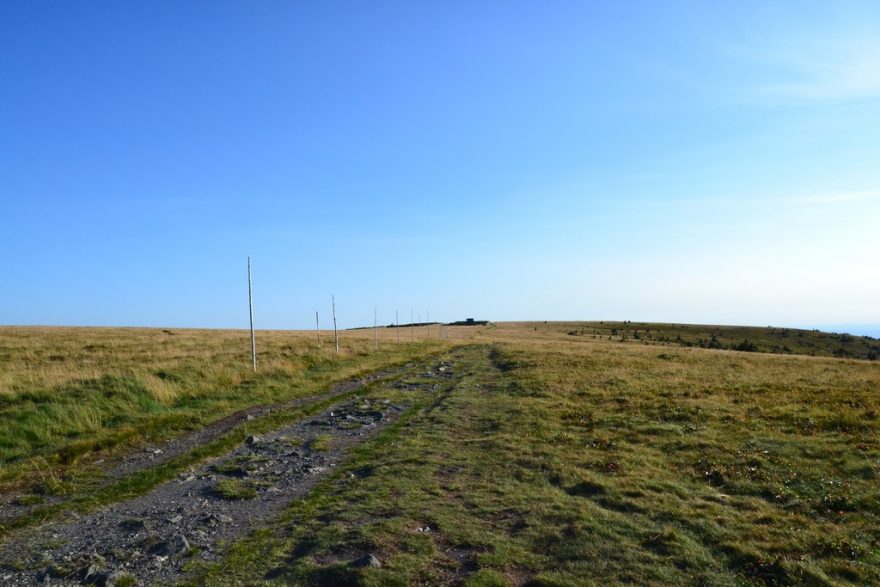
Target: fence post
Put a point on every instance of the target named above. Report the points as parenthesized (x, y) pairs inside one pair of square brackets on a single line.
[(251, 312), (335, 332)]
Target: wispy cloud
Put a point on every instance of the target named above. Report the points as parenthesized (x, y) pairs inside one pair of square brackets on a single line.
[(826, 70), (837, 198)]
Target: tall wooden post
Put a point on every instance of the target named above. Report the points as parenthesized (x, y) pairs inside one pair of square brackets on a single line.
[(317, 328), (397, 323), (335, 332), (375, 330), (251, 312), (412, 333)]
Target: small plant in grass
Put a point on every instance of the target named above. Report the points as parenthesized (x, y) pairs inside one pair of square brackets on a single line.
[(320, 443), (486, 578), (234, 489), (55, 485), (29, 499), (290, 440), (232, 469)]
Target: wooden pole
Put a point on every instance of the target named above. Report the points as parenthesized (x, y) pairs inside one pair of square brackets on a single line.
[(397, 322), (251, 312), (317, 328), (335, 332), (375, 330), (412, 333)]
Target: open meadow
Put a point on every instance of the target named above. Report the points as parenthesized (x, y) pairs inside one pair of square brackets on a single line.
[(511, 454), (314, 166)]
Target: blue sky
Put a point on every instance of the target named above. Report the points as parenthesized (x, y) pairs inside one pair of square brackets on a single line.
[(682, 162)]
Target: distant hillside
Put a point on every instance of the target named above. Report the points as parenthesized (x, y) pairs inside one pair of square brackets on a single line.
[(740, 338)]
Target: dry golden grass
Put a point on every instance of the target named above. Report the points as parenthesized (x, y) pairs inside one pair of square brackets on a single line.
[(567, 459), (52, 357), (582, 461), (100, 388)]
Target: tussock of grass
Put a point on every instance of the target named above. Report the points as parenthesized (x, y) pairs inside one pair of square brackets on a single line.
[(320, 443), (234, 489), (163, 390)]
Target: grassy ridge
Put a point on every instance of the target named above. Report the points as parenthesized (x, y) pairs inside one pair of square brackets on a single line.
[(70, 392), (740, 338)]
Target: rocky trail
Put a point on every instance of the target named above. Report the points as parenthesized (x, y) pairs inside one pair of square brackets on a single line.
[(147, 457), (153, 538)]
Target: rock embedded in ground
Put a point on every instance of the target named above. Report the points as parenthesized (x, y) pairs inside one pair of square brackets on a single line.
[(366, 561), (178, 544)]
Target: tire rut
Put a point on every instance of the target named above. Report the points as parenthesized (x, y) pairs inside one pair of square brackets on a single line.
[(12, 506), (152, 538)]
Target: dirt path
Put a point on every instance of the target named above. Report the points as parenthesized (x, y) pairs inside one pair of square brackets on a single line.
[(151, 456), (150, 539)]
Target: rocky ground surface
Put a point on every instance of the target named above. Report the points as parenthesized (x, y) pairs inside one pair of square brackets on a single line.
[(151, 539), (14, 504)]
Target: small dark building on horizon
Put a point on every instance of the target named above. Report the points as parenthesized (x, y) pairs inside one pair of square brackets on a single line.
[(469, 322)]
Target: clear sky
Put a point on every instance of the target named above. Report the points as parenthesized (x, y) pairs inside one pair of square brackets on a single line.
[(664, 161)]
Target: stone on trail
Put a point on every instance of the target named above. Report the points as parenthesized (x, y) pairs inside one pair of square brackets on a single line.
[(88, 575), (368, 560), (178, 544), (215, 519), (46, 575)]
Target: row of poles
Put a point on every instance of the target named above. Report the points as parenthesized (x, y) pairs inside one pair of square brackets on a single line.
[(335, 330)]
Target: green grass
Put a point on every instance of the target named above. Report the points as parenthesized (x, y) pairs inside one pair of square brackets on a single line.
[(86, 491), (233, 489), (555, 458), (74, 394), (29, 499), (603, 464), (320, 443)]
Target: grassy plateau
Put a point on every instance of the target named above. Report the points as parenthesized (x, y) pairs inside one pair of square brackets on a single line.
[(558, 454)]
